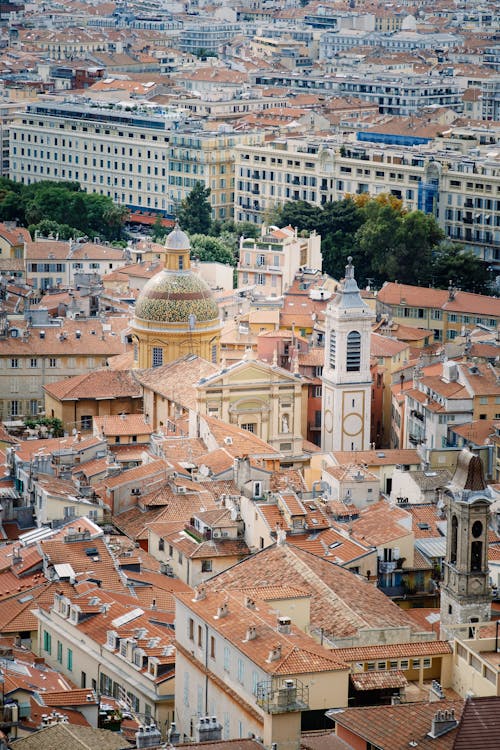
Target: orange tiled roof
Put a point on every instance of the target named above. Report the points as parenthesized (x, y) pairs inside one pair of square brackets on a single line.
[(341, 602), (100, 384)]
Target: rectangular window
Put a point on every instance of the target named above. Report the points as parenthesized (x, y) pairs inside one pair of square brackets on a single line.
[(59, 652), (33, 362), (14, 363), (157, 356), (227, 658), (52, 362), (70, 660), (206, 566), (47, 642), (212, 647), (191, 629), (241, 670)]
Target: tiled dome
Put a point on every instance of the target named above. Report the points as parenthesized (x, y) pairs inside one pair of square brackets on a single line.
[(171, 297)]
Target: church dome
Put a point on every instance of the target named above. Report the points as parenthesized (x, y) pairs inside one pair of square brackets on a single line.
[(172, 297), (177, 240)]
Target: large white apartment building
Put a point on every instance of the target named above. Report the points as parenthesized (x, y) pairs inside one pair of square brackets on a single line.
[(461, 187), (145, 160)]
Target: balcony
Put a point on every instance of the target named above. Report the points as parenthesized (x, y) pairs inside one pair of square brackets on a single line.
[(280, 696), (388, 566)]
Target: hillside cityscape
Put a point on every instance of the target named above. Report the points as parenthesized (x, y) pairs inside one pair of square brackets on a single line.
[(249, 375)]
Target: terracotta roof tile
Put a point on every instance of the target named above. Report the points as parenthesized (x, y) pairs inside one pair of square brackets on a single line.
[(102, 383), (298, 652), (378, 680), (341, 602), (395, 727)]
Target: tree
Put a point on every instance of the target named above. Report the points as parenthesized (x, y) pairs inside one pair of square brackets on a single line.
[(464, 269), (300, 214), (158, 231), (46, 228), (195, 212), (208, 248), (337, 225)]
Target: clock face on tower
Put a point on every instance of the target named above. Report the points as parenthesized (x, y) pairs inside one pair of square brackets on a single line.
[(476, 585), (353, 424)]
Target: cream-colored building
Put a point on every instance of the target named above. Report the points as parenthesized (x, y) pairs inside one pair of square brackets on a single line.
[(272, 261), (261, 398), (32, 356), (459, 189), (57, 500), (99, 643), (138, 159), (263, 691)]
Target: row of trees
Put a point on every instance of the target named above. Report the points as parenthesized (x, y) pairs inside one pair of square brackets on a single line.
[(61, 208), (387, 243)]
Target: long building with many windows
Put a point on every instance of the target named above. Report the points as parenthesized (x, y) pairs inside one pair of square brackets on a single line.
[(460, 186), (145, 160)]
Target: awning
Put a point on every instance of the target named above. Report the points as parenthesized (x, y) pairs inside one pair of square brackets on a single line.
[(378, 680)]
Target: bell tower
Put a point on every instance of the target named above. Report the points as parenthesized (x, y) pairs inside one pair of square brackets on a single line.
[(347, 383), (465, 590)]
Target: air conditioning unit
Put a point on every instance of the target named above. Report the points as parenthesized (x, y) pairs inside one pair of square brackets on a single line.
[(136, 491)]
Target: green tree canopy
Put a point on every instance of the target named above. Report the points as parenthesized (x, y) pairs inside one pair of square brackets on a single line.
[(46, 227), (208, 248), (195, 212), (464, 269), (63, 203), (387, 242), (158, 231)]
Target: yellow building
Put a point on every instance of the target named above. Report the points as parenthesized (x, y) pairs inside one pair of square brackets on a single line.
[(176, 313)]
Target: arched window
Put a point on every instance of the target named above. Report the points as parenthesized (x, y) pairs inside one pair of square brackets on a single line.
[(353, 363), (454, 534), (333, 349)]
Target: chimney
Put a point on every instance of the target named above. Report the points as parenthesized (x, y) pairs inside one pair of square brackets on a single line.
[(443, 721), (275, 653), (174, 736), (200, 593), (222, 611), (284, 625), (251, 633), (436, 692), (249, 602)]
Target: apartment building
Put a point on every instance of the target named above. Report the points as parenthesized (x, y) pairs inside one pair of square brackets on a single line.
[(274, 674), (133, 157), (32, 357), (460, 186), (112, 647), (207, 37), (445, 312), (272, 261), (445, 393)]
